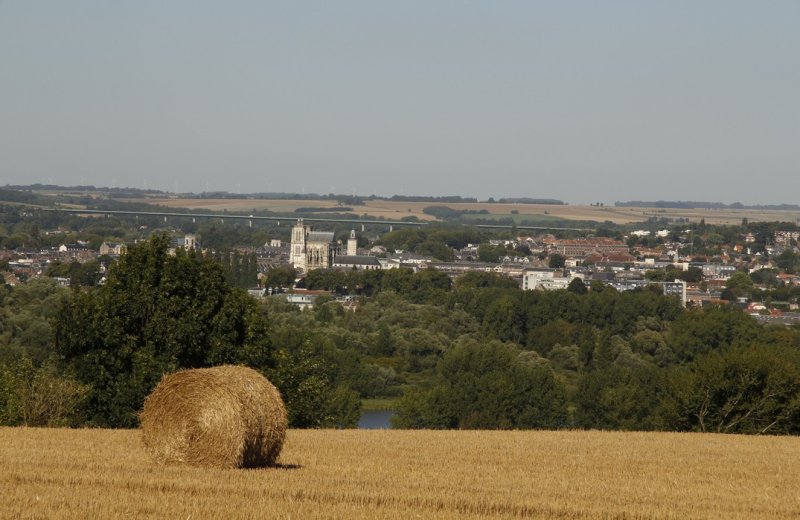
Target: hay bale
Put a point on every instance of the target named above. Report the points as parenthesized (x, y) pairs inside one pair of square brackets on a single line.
[(221, 417)]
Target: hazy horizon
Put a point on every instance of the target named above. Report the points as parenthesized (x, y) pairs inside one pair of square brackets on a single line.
[(574, 100)]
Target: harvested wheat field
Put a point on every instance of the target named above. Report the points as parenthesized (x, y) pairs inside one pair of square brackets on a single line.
[(59, 473), (396, 210)]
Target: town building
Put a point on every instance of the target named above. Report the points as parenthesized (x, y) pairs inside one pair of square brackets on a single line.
[(311, 249), (676, 288), (112, 248), (357, 262), (545, 279), (586, 246)]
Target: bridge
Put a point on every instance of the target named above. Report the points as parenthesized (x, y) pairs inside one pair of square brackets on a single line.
[(250, 218)]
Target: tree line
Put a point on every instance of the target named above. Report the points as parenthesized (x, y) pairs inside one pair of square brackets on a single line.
[(476, 352)]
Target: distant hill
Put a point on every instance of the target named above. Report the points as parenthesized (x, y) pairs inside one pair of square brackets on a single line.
[(528, 200), (680, 204)]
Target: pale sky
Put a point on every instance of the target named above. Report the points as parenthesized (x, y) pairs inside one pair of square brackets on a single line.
[(578, 100)]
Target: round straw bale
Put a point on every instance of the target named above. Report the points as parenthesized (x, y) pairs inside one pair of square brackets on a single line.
[(221, 417)]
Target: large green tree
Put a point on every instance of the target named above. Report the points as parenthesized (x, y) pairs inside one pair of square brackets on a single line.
[(156, 313)]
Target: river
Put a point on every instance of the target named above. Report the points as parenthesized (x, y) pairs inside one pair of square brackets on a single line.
[(375, 419)]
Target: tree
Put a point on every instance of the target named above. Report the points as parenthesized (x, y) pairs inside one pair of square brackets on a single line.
[(617, 398), (505, 320), (576, 286), (437, 250), (304, 380), (38, 396), (492, 254), (156, 313), (486, 385), (738, 285), (698, 331), (747, 389), (280, 277), (788, 260), (556, 261), (692, 274), (766, 277), (480, 279)]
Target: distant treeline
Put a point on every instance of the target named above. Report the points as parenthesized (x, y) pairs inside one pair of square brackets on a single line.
[(422, 198), (688, 204), (17, 196), (528, 200), (352, 200), (119, 192), (447, 213), (340, 198), (313, 209)]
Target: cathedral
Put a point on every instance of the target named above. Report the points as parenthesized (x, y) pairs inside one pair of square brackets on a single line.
[(312, 249)]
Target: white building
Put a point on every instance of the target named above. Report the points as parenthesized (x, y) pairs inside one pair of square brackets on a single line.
[(545, 279)]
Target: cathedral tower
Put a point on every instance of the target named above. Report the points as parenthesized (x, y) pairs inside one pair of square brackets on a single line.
[(352, 244), (297, 255)]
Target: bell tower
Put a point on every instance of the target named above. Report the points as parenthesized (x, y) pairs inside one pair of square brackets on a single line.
[(352, 244), (297, 254)]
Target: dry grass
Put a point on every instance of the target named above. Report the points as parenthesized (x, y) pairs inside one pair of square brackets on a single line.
[(220, 417), (410, 474), (396, 210)]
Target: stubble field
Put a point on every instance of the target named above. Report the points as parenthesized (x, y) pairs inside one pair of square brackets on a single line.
[(396, 210), (59, 473)]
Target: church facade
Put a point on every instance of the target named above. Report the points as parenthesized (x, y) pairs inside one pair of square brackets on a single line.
[(312, 249)]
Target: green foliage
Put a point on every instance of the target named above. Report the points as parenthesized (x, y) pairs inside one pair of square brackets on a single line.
[(556, 261), (699, 331), (240, 269), (505, 320), (429, 285), (493, 254), (25, 313), (482, 386), (159, 312), (788, 261), (765, 277), (333, 280), (481, 279), (87, 274), (435, 240), (38, 396), (631, 360), (748, 389), (156, 313), (692, 274), (280, 277), (437, 250), (576, 286), (618, 398), (303, 377), (739, 285)]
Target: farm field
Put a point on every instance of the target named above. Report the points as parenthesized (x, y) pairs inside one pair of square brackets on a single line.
[(396, 210), (61, 473)]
